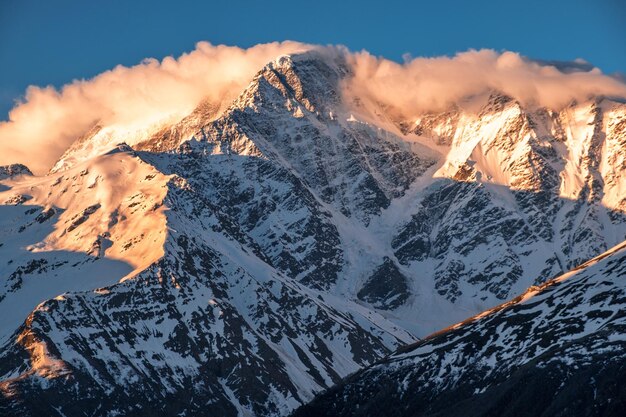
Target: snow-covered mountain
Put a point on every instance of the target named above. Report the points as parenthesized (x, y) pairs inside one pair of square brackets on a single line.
[(557, 350), (242, 259)]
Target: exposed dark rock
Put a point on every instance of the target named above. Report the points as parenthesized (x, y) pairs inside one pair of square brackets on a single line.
[(386, 288)]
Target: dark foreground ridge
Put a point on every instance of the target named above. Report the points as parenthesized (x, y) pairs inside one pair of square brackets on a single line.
[(558, 350)]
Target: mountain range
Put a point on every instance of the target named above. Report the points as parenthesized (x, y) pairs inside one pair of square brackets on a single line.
[(247, 257)]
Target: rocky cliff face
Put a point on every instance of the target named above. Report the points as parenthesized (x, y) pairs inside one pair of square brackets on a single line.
[(522, 195), (240, 260)]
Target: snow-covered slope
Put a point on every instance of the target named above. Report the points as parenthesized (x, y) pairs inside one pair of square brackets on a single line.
[(521, 196), (558, 349), (86, 228), (198, 305), (241, 259)]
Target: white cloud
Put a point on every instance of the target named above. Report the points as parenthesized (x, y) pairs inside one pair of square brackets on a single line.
[(42, 127), (429, 84)]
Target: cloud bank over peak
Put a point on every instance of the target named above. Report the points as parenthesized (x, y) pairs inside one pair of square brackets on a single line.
[(429, 84), (48, 121)]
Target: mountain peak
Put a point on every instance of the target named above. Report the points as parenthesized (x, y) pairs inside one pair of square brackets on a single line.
[(13, 170)]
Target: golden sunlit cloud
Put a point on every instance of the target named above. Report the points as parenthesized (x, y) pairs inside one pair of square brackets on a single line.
[(47, 121), (42, 127), (430, 84)]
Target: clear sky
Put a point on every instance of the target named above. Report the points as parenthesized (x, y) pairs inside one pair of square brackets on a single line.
[(53, 42)]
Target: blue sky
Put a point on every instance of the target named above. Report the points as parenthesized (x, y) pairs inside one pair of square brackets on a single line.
[(54, 42)]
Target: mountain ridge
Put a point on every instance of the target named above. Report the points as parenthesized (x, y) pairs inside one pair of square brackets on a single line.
[(587, 342)]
